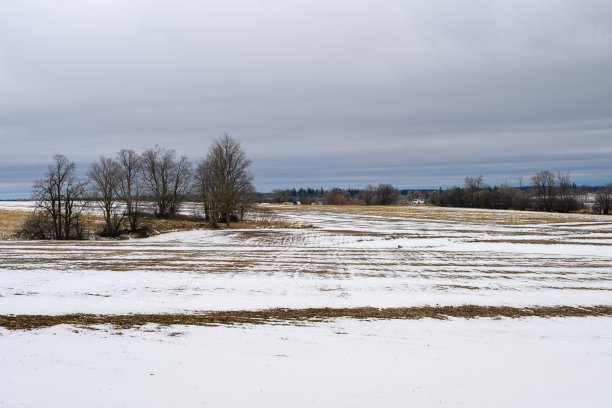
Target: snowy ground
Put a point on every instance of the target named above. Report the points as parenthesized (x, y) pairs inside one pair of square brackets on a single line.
[(344, 260), (562, 362)]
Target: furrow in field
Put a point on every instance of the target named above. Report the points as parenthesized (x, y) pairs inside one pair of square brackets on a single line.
[(346, 260)]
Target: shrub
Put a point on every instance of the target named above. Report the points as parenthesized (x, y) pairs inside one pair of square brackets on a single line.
[(38, 225)]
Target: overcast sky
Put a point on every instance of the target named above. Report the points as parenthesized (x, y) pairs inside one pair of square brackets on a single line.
[(320, 93)]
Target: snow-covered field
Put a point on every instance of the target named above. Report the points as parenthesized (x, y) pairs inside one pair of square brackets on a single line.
[(497, 258), (475, 363), (346, 260)]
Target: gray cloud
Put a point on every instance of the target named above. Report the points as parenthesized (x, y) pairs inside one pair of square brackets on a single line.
[(320, 93)]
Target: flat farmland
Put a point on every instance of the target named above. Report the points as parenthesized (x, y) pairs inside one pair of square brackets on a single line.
[(414, 304), (336, 259)]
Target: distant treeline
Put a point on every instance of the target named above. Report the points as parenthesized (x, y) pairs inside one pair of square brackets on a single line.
[(382, 194), (131, 185), (546, 191)]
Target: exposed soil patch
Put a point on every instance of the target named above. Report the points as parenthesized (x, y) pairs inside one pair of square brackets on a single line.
[(294, 316)]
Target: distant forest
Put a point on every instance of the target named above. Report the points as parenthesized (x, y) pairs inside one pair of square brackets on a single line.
[(546, 191)]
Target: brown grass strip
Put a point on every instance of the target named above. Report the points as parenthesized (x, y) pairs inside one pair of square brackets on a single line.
[(293, 316), (11, 221)]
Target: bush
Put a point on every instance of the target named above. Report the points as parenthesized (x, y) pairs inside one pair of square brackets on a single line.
[(38, 225)]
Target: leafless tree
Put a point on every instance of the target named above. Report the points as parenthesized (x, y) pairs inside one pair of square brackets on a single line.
[(604, 198), (386, 194), (245, 201), (473, 186), (130, 185), (474, 183), (166, 179), (105, 180), (156, 164), (368, 194), (543, 184), (336, 196), (224, 182), (179, 184), (280, 196), (207, 186), (565, 195), (60, 197)]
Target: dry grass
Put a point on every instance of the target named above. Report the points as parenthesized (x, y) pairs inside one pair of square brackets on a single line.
[(186, 224), (296, 316), (500, 217), (11, 221), (162, 225), (93, 222)]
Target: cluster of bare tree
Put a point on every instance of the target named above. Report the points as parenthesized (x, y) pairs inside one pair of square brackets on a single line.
[(554, 192), (124, 186), (383, 194), (131, 186), (502, 197), (548, 192), (476, 194)]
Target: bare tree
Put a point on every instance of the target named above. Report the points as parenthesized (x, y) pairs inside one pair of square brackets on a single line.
[(565, 196), (206, 184), (543, 184), (180, 183), (368, 194), (473, 187), (474, 183), (280, 196), (156, 169), (604, 198), (130, 185), (166, 179), (105, 180), (386, 194), (336, 196), (245, 201), (59, 196), (224, 183)]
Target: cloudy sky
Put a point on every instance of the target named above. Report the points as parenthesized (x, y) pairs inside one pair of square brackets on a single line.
[(320, 93)]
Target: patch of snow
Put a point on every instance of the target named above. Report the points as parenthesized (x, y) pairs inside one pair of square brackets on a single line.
[(563, 362)]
